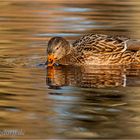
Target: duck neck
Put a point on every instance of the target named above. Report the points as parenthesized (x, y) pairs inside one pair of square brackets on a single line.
[(69, 50), (69, 57)]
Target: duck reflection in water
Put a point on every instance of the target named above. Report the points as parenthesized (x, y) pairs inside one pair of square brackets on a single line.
[(86, 77), (91, 49)]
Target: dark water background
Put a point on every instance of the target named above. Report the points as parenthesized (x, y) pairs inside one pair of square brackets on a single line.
[(66, 102)]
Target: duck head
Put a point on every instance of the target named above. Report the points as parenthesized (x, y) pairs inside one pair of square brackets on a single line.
[(57, 48)]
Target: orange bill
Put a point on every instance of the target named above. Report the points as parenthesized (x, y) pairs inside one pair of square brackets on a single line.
[(51, 60)]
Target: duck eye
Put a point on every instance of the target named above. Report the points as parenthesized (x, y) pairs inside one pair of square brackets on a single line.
[(57, 48)]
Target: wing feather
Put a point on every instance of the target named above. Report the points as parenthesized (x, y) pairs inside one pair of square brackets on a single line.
[(100, 44)]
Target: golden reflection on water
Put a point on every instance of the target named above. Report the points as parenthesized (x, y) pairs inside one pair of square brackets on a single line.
[(86, 76), (91, 76), (77, 102)]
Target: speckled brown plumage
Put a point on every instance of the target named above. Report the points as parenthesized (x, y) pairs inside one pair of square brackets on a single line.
[(98, 49)]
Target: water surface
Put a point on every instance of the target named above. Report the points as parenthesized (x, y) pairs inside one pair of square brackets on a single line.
[(66, 102)]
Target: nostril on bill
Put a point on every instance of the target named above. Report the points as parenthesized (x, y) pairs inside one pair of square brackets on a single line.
[(50, 60)]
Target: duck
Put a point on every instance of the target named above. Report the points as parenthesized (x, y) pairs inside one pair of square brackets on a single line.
[(93, 49)]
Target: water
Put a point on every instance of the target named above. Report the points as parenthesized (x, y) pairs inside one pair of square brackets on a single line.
[(66, 102)]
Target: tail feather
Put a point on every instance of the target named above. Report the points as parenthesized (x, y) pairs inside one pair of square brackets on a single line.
[(133, 45)]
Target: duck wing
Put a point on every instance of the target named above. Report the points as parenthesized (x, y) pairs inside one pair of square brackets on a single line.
[(100, 44)]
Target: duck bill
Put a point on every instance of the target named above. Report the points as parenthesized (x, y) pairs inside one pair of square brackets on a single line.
[(51, 60)]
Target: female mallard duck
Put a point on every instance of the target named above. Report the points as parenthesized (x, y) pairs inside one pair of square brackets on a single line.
[(93, 49)]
